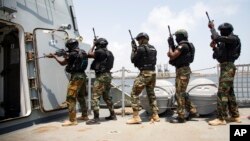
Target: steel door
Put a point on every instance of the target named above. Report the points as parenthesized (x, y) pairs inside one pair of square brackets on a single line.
[(53, 79)]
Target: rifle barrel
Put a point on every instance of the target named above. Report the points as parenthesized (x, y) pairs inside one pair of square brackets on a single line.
[(94, 33), (170, 34), (41, 57), (130, 34), (208, 16)]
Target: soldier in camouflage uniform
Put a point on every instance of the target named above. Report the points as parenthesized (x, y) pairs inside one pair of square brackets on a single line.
[(181, 57), (144, 58), (77, 84), (102, 64), (226, 47)]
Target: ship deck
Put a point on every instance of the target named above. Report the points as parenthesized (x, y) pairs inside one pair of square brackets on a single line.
[(196, 130)]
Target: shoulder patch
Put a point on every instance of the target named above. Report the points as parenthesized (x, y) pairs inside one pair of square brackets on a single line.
[(179, 47)]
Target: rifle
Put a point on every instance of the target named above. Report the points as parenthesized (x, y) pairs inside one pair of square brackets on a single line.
[(209, 20), (171, 36), (133, 40), (59, 52)]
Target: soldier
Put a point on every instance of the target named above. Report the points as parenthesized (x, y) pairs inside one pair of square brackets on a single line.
[(144, 58), (76, 61), (181, 57), (226, 47), (102, 64)]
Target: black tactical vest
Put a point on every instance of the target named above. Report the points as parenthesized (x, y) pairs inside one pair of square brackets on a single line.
[(185, 58), (77, 61), (147, 57), (227, 52), (103, 62)]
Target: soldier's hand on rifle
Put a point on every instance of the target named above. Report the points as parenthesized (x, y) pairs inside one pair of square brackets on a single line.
[(211, 24), (213, 44), (51, 55), (171, 41), (168, 54), (133, 44)]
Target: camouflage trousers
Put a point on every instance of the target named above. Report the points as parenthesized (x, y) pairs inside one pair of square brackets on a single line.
[(76, 91), (144, 79), (102, 87), (226, 101), (182, 98)]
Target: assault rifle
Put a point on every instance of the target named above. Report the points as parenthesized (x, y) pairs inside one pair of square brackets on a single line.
[(59, 52), (133, 40), (209, 20), (171, 36)]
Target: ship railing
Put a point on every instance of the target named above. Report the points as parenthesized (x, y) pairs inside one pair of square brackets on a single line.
[(241, 83)]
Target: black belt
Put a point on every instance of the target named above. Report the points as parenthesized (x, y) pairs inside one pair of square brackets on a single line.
[(151, 68), (98, 73), (182, 66)]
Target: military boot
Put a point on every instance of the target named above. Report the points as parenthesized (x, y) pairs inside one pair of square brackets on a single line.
[(216, 122), (177, 120), (69, 123), (112, 116), (72, 119), (234, 119), (155, 117), (192, 115), (135, 119), (95, 120), (84, 118)]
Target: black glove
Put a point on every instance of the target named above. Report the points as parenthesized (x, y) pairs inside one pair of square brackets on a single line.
[(170, 41)]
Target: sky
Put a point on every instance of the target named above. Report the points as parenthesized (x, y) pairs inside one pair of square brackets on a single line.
[(112, 19)]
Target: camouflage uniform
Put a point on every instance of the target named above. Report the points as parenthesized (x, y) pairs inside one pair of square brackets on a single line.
[(226, 97), (144, 58), (226, 47), (76, 90), (183, 101), (144, 79), (101, 88)]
